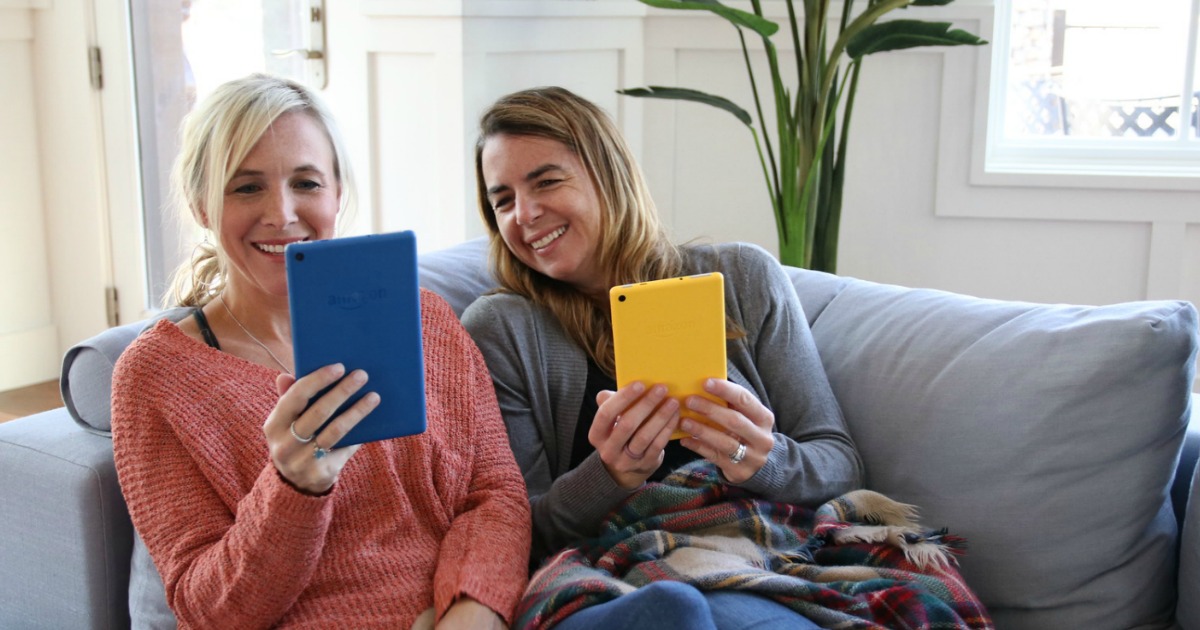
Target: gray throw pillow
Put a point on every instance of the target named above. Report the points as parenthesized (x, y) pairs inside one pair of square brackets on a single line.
[(86, 379), (459, 274), (1045, 434)]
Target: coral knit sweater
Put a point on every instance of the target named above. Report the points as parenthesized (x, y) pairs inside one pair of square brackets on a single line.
[(411, 523)]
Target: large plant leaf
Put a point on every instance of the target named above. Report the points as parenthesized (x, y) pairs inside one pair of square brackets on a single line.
[(688, 94), (759, 25), (900, 34)]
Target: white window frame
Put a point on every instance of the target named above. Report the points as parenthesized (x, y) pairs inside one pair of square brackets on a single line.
[(1172, 164)]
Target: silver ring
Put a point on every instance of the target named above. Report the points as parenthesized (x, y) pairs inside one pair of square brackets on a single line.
[(292, 429), (737, 456), (319, 452)]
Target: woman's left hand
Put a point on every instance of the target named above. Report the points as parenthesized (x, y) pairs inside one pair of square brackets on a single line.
[(469, 614), (745, 422)]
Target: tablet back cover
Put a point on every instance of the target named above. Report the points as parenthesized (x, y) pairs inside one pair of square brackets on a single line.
[(356, 301), (672, 332)]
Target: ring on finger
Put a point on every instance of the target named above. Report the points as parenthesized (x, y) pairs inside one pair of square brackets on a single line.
[(302, 440), (319, 452), (737, 456), (631, 455)]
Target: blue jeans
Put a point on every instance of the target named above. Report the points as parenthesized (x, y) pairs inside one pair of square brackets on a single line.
[(674, 605)]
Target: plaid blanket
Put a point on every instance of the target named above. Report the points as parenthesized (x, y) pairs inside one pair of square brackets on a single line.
[(858, 561)]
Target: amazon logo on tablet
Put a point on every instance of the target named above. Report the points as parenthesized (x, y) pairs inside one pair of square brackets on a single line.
[(357, 299), (673, 328)]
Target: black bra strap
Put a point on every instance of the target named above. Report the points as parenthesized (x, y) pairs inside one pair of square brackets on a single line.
[(205, 330)]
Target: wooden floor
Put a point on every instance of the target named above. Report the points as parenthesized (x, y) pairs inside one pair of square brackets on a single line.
[(27, 401)]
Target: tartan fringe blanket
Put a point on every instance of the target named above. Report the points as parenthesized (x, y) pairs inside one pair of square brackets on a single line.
[(858, 561)]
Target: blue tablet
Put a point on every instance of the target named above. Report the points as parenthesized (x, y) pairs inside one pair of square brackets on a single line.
[(356, 301)]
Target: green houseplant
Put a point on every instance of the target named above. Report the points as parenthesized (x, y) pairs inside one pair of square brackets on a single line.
[(805, 174)]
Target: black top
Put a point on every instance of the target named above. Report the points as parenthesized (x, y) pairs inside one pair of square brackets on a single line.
[(675, 454), (206, 331)]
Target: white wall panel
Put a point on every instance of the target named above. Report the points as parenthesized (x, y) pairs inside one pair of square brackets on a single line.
[(1190, 277), (890, 232), (718, 188), (433, 68), (70, 138), (589, 73), (28, 337), (407, 194)]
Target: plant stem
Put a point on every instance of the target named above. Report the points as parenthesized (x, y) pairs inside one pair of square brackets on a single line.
[(868, 17), (780, 215), (846, 7), (772, 182), (810, 186), (783, 120), (796, 45), (825, 245)]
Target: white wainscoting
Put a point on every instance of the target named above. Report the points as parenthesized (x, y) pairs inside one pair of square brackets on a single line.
[(28, 337), (914, 214), (430, 71), (409, 78)]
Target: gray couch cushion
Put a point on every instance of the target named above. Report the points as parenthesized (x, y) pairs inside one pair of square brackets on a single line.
[(459, 274), (1188, 612), (65, 559), (148, 607), (86, 381), (816, 289), (1047, 435)]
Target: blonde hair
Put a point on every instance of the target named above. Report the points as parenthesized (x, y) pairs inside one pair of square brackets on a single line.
[(633, 242), (217, 137)]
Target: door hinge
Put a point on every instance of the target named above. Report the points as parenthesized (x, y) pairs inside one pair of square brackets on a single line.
[(110, 306), (96, 67)]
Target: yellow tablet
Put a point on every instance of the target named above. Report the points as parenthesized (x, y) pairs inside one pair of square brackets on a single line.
[(671, 332)]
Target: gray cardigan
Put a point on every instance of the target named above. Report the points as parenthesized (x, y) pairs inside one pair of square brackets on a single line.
[(540, 374)]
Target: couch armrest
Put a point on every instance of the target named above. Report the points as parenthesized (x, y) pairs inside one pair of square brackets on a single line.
[(67, 536)]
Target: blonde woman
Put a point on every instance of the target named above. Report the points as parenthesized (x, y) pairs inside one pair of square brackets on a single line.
[(569, 216), (251, 516)]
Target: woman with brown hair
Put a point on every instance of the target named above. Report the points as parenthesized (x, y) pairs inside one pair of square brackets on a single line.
[(570, 216)]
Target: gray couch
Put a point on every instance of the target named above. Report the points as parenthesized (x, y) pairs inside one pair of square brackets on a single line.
[(1048, 435)]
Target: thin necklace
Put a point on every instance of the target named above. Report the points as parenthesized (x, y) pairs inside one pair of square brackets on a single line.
[(252, 337)]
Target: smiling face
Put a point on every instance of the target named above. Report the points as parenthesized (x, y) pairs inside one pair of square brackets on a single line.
[(546, 207), (286, 190)]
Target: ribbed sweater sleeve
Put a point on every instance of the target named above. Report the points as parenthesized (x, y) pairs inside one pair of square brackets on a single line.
[(491, 527), (814, 458), (412, 523), (220, 557)]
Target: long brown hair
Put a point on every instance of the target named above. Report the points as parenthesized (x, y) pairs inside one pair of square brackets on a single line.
[(633, 243)]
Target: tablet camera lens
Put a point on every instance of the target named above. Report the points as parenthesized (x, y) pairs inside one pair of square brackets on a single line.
[(620, 298), (300, 256)]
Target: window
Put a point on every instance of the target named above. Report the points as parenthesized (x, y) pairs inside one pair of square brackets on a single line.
[(181, 52), (1095, 87)]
